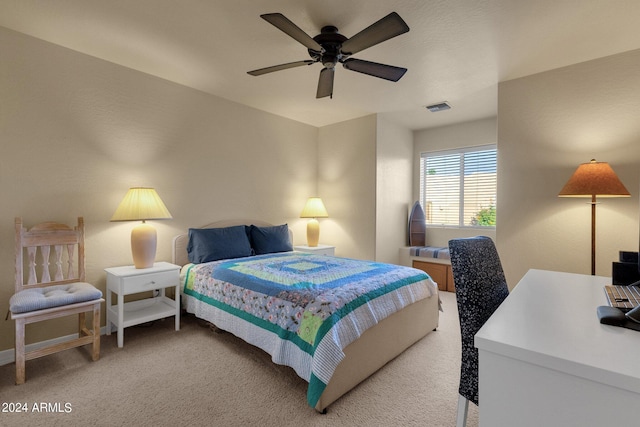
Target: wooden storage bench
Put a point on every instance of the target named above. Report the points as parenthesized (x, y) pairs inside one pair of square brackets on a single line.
[(439, 272), (432, 260)]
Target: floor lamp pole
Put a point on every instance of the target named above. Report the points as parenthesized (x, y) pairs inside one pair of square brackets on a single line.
[(593, 235)]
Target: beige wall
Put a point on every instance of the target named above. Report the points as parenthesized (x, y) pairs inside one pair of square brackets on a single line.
[(548, 124), (346, 183), (364, 177), (468, 134), (77, 132), (394, 175)]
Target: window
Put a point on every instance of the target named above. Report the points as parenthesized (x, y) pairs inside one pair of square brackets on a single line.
[(458, 187)]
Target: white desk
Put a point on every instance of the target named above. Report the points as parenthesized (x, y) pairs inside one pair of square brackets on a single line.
[(545, 360)]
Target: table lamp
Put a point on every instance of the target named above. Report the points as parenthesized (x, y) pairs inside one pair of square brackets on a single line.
[(314, 208), (590, 180), (141, 204)]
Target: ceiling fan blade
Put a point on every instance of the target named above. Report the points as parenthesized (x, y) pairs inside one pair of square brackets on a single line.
[(325, 83), (266, 70), (281, 22), (388, 27), (387, 72)]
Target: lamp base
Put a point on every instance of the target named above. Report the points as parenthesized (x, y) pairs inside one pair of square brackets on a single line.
[(144, 240), (313, 233)]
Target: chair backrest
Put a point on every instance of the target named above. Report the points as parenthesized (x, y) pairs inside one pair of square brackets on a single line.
[(480, 288), (54, 254)]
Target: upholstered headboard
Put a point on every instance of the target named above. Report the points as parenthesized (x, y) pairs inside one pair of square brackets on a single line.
[(179, 248)]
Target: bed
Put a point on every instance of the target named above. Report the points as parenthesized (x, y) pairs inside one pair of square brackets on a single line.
[(332, 345)]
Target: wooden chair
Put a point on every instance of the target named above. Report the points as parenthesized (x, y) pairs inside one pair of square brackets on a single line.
[(47, 296)]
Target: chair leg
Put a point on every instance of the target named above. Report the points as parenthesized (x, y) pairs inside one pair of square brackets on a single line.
[(96, 332), (463, 407), (19, 352), (81, 324)]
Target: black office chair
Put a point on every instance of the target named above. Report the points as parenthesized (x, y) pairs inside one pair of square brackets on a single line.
[(480, 288)]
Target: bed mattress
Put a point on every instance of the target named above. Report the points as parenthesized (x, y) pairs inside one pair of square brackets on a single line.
[(302, 309)]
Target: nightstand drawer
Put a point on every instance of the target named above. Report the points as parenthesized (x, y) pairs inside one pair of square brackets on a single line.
[(149, 282)]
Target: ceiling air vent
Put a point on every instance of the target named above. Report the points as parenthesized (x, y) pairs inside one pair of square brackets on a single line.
[(438, 107)]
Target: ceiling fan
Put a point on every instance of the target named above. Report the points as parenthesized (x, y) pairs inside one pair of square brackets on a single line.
[(330, 47)]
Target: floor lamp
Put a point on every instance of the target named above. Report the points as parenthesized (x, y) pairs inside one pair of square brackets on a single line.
[(594, 179)]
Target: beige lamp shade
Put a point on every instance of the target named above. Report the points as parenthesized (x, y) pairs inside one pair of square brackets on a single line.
[(594, 179), (314, 208), (141, 204)]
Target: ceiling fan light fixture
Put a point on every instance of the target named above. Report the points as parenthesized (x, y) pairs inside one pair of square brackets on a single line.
[(442, 106)]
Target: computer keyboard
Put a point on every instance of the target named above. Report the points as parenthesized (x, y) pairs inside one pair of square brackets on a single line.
[(623, 297)]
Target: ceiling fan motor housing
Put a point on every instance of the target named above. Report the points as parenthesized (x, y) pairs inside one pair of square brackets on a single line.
[(331, 41)]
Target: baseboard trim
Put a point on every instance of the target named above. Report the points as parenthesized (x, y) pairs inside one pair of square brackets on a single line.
[(9, 356)]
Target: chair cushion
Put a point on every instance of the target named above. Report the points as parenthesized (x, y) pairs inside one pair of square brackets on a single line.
[(52, 296)]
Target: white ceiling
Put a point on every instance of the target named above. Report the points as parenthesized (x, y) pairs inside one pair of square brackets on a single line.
[(456, 50)]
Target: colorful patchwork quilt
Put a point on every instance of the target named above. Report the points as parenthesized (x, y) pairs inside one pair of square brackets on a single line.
[(302, 309)]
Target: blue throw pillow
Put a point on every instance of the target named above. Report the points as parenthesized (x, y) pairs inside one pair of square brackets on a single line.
[(266, 240), (212, 244)]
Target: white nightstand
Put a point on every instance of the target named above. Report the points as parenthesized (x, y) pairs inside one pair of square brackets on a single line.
[(130, 280), (318, 250)]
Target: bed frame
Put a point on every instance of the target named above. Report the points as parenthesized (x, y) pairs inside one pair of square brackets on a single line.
[(377, 345)]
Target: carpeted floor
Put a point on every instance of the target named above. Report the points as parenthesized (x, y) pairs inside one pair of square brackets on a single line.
[(197, 377)]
